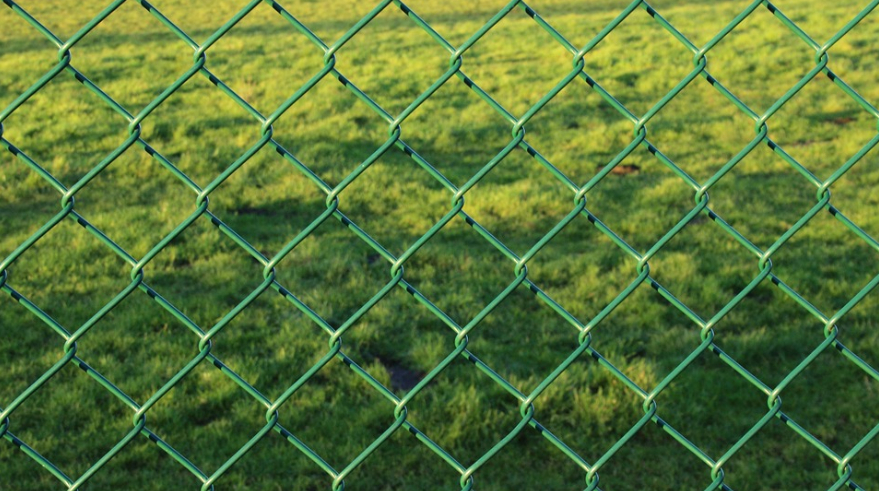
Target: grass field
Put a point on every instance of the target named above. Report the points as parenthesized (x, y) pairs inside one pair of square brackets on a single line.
[(139, 346)]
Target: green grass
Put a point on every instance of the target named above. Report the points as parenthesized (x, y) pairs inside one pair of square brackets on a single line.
[(138, 346)]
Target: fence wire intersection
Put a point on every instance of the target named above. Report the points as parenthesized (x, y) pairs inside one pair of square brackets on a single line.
[(334, 198)]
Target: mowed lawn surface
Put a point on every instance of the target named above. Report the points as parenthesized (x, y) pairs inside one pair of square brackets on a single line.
[(136, 201)]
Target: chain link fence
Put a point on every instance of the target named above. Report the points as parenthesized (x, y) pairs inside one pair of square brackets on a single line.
[(528, 397)]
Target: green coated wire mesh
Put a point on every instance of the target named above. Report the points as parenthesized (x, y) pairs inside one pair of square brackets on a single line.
[(528, 397)]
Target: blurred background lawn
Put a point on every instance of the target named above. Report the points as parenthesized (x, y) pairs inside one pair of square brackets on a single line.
[(138, 346)]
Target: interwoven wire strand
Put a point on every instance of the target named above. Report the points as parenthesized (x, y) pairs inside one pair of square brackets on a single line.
[(528, 397)]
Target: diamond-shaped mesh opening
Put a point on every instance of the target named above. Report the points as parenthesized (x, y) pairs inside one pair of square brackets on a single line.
[(333, 272), (590, 409), (466, 423), (71, 420), (776, 60), (207, 417), (56, 129), (25, 56), (203, 259), (272, 346), (400, 348), (659, 459), (581, 269), (769, 333), (138, 346), (523, 340), (762, 197), (136, 188), (459, 271), (267, 201), (200, 130), (264, 58), (821, 24), (851, 419), (698, 21), (701, 141), (142, 460), (704, 267), (822, 127), (403, 462), (645, 323), (579, 133), (331, 131), (851, 60), (132, 57), (517, 74), (198, 23), (642, 200), (826, 263), (52, 271), (392, 77), (639, 78), (805, 467), (374, 343), (470, 136), (519, 201), (333, 398), (64, 23), (711, 405), (412, 201)]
